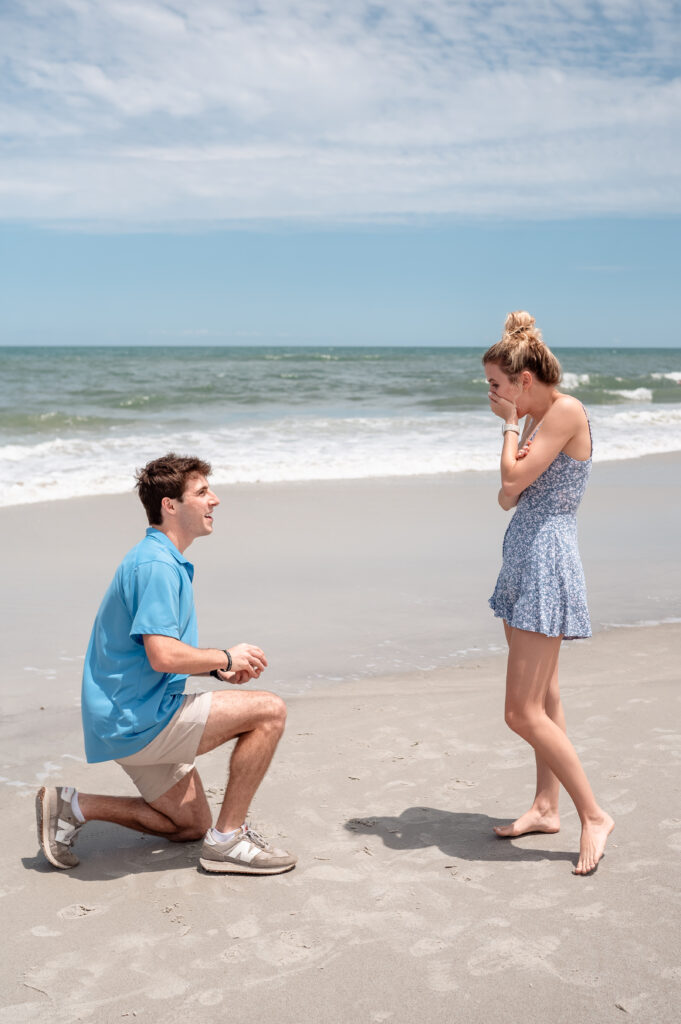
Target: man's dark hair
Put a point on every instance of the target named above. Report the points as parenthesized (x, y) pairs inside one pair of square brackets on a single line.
[(166, 478)]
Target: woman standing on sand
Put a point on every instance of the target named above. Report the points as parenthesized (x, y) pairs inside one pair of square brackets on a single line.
[(540, 593)]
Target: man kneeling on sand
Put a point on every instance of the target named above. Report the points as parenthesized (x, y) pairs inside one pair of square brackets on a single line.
[(135, 712)]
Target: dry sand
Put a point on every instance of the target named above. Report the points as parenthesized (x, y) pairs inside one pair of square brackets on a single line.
[(404, 905)]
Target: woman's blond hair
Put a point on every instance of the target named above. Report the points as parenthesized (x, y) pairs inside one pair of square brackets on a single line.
[(522, 348)]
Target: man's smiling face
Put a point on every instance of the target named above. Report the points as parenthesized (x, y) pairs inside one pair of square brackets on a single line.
[(194, 513)]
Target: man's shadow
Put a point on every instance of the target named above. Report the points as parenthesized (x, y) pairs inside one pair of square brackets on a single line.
[(457, 834), (109, 852)]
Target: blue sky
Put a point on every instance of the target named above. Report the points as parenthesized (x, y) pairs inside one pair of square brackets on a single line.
[(339, 173)]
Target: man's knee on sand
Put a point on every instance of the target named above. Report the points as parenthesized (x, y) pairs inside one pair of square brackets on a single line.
[(192, 831), (196, 819), (186, 808)]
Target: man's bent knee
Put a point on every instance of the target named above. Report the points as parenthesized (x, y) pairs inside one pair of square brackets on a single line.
[(277, 711), (189, 833), (186, 809), (190, 829)]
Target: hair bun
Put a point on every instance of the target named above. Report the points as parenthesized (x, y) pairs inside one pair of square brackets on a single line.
[(522, 348), (519, 322)]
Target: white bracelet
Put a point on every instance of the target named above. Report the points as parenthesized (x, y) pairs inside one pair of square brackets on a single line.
[(510, 426)]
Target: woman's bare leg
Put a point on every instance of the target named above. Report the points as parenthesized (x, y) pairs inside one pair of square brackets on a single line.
[(543, 815), (532, 662)]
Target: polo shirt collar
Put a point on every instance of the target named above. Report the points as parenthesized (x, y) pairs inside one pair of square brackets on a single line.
[(164, 540)]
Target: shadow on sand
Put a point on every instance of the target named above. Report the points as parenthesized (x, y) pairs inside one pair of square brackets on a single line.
[(109, 852), (456, 833)]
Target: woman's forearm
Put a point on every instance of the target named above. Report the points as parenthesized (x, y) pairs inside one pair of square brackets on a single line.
[(509, 459), (506, 501)]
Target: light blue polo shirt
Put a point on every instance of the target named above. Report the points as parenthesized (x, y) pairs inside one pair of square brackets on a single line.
[(125, 703)]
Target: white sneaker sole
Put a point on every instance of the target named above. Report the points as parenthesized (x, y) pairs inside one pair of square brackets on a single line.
[(225, 867), (43, 813)]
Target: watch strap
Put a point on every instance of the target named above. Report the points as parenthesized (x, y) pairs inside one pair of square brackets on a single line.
[(215, 671)]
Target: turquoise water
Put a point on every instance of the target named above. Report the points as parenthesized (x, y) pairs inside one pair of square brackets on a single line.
[(78, 420)]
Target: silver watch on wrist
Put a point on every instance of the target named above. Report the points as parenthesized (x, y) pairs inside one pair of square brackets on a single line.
[(510, 426)]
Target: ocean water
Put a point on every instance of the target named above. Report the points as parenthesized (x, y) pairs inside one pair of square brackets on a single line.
[(78, 421)]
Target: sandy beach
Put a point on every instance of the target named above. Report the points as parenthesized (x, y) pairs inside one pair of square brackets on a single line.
[(369, 598)]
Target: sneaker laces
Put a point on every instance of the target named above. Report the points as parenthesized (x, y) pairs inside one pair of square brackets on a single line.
[(255, 837), (68, 838)]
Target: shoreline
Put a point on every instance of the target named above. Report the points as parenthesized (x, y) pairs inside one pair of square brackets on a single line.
[(340, 580), (670, 456)]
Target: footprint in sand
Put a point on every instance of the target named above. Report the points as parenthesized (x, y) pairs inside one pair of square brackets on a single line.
[(441, 977), (537, 901), (586, 913), (76, 910), (42, 931), (632, 1004), (674, 841), (427, 947), (166, 987), (330, 873), (621, 806), (211, 997), (501, 955), (247, 928)]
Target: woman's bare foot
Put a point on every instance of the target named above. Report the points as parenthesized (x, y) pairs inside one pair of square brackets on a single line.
[(533, 820), (592, 844)]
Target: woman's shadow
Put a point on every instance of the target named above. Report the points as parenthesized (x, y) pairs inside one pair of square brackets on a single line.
[(457, 834)]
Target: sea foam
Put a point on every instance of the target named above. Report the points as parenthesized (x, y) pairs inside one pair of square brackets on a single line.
[(633, 395), (570, 381), (79, 421), (315, 448)]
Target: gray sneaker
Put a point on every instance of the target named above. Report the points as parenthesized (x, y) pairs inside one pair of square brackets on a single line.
[(248, 853), (57, 825)]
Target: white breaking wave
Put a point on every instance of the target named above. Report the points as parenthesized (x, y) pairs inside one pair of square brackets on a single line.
[(312, 448), (636, 395), (285, 450), (675, 376), (570, 381)]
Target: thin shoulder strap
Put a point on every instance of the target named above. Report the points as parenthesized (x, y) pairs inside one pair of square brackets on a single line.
[(588, 423)]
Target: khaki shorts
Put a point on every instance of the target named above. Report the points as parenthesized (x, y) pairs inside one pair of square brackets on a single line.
[(170, 755)]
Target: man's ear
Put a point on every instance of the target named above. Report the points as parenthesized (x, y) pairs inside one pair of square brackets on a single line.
[(168, 506)]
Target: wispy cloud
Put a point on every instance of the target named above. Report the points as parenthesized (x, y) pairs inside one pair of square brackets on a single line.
[(115, 112)]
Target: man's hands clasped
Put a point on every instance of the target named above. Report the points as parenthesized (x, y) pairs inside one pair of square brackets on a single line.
[(248, 661)]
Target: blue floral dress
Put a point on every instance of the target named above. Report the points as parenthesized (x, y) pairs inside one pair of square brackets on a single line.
[(541, 585)]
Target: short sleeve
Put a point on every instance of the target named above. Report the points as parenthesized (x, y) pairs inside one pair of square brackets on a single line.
[(156, 601)]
